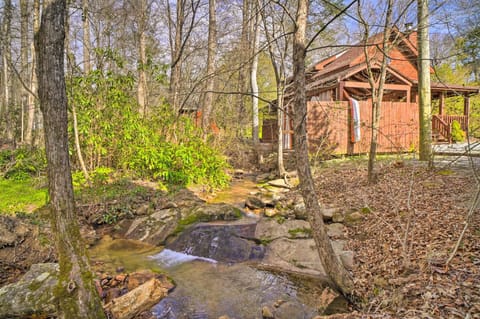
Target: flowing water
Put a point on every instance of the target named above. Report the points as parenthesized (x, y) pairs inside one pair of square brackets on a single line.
[(206, 288)]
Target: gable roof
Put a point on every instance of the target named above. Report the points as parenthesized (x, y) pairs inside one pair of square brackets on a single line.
[(403, 65)]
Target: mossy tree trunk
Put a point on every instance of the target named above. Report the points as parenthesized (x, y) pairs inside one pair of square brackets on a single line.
[(331, 263), (76, 290)]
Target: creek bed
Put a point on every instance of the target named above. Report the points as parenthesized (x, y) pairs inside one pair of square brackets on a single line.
[(209, 289)]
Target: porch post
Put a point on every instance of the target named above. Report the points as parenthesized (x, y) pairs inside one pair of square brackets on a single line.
[(441, 105), (466, 111), (340, 89)]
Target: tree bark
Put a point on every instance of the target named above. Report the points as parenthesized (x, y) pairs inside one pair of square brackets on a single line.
[(278, 64), (142, 48), (253, 78), (332, 264), (87, 65), (176, 70), (24, 62), (212, 48), (377, 86), (7, 61), (31, 100), (424, 94), (76, 289)]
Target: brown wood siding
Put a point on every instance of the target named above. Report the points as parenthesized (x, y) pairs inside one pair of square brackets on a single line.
[(328, 127)]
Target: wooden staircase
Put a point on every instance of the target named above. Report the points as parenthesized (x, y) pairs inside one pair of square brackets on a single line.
[(442, 126), (441, 130)]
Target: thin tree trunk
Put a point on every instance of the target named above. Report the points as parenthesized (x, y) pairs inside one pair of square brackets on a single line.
[(332, 264), (243, 78), (142, 48), (31, 101), (7, 61), (76, 289), (253, 80), (176, 70), (424, 94), (280, 118), (24, 61), (87, 65), (376, 85), (212, 49)]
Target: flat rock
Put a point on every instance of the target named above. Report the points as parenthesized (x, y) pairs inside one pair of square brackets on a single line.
[(32, 295), (297, 256), (280, 183), (336, 230), (270, 229)]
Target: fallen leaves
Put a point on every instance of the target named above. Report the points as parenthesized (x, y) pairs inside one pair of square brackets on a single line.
[(415, 217)]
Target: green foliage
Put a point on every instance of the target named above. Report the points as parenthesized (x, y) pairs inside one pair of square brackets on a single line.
[(113, 134), (22, 163), (458, 135)]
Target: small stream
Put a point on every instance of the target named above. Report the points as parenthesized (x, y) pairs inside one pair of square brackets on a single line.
[(206, 288)]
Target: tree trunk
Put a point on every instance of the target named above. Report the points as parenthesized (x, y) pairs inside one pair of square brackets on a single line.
[(253, 79), (176, 70), (7, 61), (87, 65), (332, 264), (280, 118), (76, 289), (142, 48), (24, 61), (244, 65), (376, 84), (424, 94), (31, 101), (212, 48)]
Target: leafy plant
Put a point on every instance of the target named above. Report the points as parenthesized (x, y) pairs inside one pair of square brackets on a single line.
[(458, 135)]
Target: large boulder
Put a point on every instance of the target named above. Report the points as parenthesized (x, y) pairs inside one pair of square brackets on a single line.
[(159, 226), (226, 242), (293, 256), (32, 295), (269, 229)]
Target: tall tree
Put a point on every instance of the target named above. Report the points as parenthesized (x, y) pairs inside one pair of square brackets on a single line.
[(87, 44), (278, 47), (24, 62), (5, 111), (75, 286), (31, 100), (424, 94), (332, 264), (211, 55), (376, 79), (142, 92), (253, 74)]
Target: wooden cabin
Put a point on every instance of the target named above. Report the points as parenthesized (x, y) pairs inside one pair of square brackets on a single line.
[(338, 83)]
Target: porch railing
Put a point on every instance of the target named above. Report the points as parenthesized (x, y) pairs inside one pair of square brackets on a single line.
[(462, 119), (442, 127)]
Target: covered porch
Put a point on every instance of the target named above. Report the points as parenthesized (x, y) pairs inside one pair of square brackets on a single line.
[(442, 122)]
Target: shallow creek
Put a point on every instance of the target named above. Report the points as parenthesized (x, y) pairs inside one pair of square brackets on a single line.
[(209, 289), (206, 288)]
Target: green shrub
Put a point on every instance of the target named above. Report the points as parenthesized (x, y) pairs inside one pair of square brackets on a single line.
[(22, 163), (458, 135)]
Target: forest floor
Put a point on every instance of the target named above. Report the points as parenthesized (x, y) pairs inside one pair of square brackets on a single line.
[(412, 219)]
